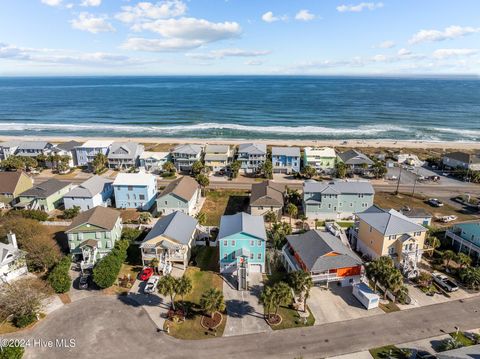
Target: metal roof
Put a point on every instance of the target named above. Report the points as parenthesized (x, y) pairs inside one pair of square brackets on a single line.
[(253, 148), (176, 226), (354, 157), (286, 151), (469, 158), (224, 149), (339, 187), (390, 222), (96, 144), (90, 187), (68, 146), (189, 149), (130, 150), (134, 179), (34, 145), (242, 223), (321, 251)]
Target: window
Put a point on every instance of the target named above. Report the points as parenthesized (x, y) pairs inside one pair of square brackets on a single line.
[(370, 228), (252, 243), (107, 234), (251, 255), (259, 256), (259, 243), (109, 244), (391, 250), (416, 234), (130, 188), (98, 235), (233, 243), (80, 236), (233, 255), (392, 237), (225, 256), (141, 197), (71, 237), (99, 244), (225, 243)]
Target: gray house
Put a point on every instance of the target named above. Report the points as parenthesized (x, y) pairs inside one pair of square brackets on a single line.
[(181, 195), (470, 161), (267, 196), (252, 156), (336, 199), (68, 149), (184, 156), (96, 191), (8, 149), (124, 155), (355, 161), (33, 148)]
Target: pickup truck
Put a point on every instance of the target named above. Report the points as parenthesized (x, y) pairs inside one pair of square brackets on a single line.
[(444, 282)]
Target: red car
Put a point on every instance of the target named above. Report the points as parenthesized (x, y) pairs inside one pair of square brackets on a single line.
[(146, 273)]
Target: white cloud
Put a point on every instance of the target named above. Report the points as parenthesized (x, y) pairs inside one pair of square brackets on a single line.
[(145, 11), (52, 2), (385, 45), (253, 63), (91, 3), (91, 23), (269, 17), (220, 54), (180, 34), (304, 15), (449, 33), (447, 53), (360, 7), (404, 52)]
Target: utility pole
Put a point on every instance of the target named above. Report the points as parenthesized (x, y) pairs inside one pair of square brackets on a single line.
[(415, 182), (398, 181)]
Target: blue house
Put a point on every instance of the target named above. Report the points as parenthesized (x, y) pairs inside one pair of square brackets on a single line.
[(286, 159), (466, 239), (135, 190), (241, 242)]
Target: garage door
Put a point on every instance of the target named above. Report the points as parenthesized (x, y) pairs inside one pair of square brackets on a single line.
[(255, 268)]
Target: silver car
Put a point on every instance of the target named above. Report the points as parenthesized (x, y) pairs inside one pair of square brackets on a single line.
[(151, 285)]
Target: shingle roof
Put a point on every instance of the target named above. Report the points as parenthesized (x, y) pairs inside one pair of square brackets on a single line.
[(253, 148), (320, 151), (217, 149), (353, 157), (177, 226), (416, 212), (339, 187), (390, 223), (134, 179), (242, 223), (125, 150), (314, 246), (96, 144), (8, 144), (9, 181), (45, 189), (286, 151), (183, 187), (68, 146), (90, 187), (33, 145), (267, 193), (156, 155), (190, 149), (470, 158), (99, 216)]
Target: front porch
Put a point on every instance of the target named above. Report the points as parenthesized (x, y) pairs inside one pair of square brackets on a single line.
[(167, 258)]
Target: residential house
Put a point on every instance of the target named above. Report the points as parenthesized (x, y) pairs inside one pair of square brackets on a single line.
[(96, 191), (93, 234), (218, 157), (182, 194), (355, 161), (45, 196), (322, 255), (135, 190), (8, 149), (465, 238), (124, 155), (468, 161), (409, 159), (379, 232), (336, 199), (170, 241), (252, 156), (33, 148), (184, 156), (241, 242), (267, 196), (12, 260), (87, 152), (68, 149), (286, 159), (11, 185), (321, 158), (153, 161), (418, 215)]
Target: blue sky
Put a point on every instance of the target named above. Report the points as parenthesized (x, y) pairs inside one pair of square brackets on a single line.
[(271, 37)]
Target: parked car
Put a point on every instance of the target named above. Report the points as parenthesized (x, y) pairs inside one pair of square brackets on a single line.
[(444, 282), (447, 219), (84, 282), (146, 273), (151, 285), (434, 202)]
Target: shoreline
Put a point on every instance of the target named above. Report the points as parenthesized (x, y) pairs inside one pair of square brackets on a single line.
[(354, 143)]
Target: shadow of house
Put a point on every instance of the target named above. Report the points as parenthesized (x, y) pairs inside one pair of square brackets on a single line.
[(236, 204)]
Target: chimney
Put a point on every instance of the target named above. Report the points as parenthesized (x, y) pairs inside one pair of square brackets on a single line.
[(12, 239)]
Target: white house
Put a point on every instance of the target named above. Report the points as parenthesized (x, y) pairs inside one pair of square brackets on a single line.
[(154, 161), (12, 260), (96, 191), (87, 152), (8, 149)]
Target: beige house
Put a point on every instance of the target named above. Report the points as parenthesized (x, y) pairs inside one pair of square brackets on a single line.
[(11, 185), (218, 157), (389, 233), (265, 197)]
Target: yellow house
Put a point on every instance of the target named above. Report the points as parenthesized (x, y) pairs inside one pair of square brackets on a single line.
[(11, 185), (389, 233)]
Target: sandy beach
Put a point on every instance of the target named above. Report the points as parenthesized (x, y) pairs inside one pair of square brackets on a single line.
[(425, 145)]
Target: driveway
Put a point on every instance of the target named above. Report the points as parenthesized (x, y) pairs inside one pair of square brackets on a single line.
[(337, 304), (244, 313)]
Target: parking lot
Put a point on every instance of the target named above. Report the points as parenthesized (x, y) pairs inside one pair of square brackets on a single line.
[(337, 304)]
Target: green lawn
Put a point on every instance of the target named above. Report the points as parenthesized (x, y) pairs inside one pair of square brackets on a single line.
[(291, 319), (220, 202), (389, 351), (462, 339), (389, 308), (345, 224), (206, 258)]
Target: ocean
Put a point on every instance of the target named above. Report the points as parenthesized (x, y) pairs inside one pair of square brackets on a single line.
[(242, 107)]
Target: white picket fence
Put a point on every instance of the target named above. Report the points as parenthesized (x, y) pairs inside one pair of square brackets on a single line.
[(57, 223)]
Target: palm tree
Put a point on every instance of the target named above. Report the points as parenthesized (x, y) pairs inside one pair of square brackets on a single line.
[(144, 217), (154, 263), (341, 169), (308, 171), (266, 298), (203, 181), (448, 255), (270, 217), (301, 283), (197, 168), (99, 162), (378, 269), (168, 167), (393, 281), (292, 211), (167, 285), (463, 260), (471, 277), (212, 301), (282, 295), (303, 218), (184, 287), (433, 242), (202, 218)]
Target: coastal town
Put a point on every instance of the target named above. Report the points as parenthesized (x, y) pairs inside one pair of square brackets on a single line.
[(232, 244)]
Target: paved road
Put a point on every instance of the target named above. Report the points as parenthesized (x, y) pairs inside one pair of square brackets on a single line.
[(105, 327)]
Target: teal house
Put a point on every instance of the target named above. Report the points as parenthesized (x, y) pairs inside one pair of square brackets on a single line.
[(465, 238), (241, 242), (93, 234)]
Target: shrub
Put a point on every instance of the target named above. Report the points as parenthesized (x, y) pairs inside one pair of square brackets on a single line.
[(130, 234), (12, 352), (106, 271), (71, 212), (35, 214), (59, 278), (22, 321)]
